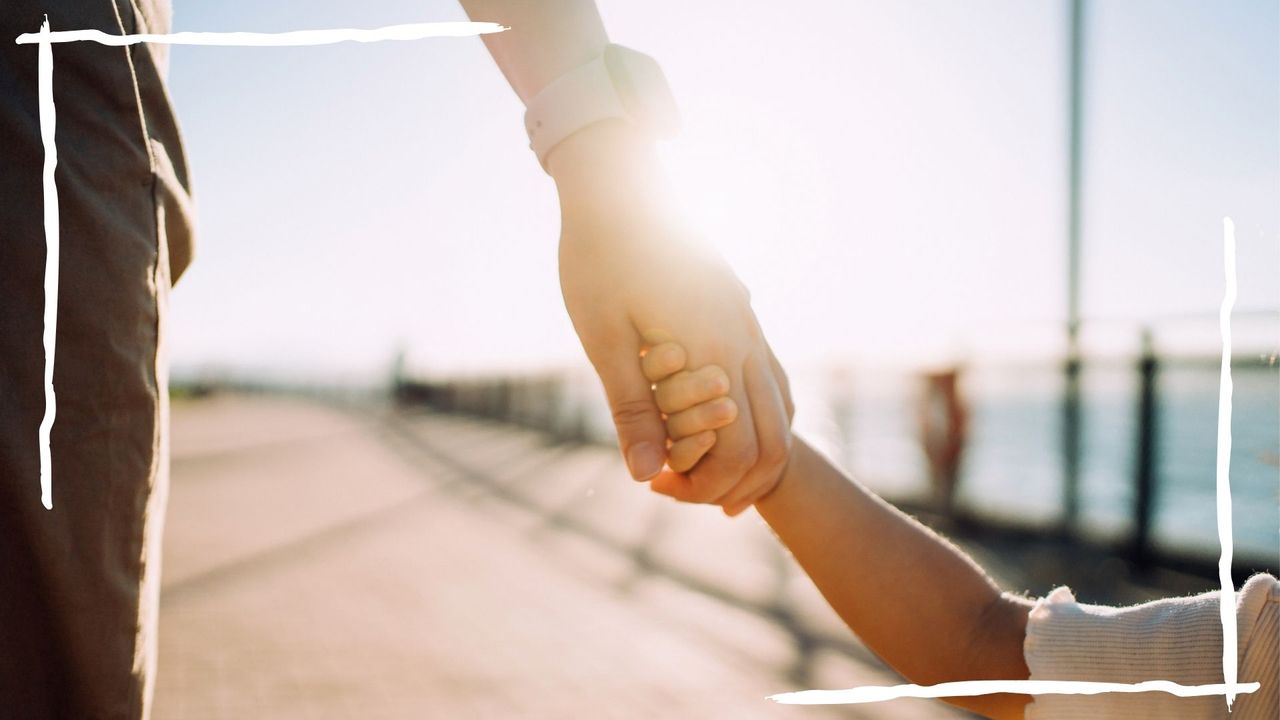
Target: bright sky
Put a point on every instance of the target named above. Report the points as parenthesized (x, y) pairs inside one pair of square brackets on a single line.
[(887, 177)]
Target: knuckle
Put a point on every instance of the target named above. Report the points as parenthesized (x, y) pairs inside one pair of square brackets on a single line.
[(631, 411)]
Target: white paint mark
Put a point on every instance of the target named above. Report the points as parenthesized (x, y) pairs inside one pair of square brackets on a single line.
[(971, 688), (1227, 605), (48, 121), (413, 31), (418, 31)]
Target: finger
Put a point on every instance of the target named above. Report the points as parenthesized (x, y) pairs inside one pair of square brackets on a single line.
[(642, 436), (773, 437), (700, 418), (685, 453), (727, 462), (684, 390), (662, 361), (672, 484)]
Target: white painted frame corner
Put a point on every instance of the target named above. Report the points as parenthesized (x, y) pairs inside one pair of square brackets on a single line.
[(45, 39)]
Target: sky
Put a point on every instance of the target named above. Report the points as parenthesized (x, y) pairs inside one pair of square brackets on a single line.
[(889, 179)]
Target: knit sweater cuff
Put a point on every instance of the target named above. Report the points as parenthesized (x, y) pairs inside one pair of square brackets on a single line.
[(1176, 639)]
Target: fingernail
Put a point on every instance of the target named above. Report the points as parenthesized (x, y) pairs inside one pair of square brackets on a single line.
[(644, 460)]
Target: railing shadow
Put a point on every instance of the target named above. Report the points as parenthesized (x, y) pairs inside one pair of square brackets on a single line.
[(645, 561)]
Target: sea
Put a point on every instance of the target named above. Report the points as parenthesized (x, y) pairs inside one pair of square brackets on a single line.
[(1012, 468)]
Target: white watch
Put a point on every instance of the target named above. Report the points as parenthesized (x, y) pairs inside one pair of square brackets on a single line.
[(619, 83)]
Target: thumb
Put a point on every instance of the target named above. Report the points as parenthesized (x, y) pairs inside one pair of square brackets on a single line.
[(642, 435)]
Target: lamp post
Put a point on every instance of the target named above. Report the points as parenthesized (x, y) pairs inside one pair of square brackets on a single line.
[(1072, 366)]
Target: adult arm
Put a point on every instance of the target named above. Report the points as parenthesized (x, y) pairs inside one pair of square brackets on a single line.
[(628, 267), (916, 600)]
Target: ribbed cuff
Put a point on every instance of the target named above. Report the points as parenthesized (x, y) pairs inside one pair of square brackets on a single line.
[(1176, 639)]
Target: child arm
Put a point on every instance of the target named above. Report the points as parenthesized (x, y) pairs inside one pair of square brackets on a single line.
[(915, 599)]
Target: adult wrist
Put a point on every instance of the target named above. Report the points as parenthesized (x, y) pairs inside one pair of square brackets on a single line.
[(610, 171), (608, 149)]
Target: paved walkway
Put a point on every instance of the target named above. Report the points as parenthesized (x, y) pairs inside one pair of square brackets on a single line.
[(345, 562)]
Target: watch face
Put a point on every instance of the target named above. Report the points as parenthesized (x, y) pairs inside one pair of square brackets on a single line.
[(643, 90)]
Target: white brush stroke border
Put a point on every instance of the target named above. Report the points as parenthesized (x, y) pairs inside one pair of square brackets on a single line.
[(1227, 607), (413, 31), (45, 39), (48, 122)]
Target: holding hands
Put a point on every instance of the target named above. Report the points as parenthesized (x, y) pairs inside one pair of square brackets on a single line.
[(695, 404), (629, 265)]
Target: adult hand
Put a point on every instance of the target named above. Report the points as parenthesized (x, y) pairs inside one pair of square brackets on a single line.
[(628, 269)]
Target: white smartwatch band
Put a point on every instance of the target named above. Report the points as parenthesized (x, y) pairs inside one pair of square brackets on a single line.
[(619, 83)]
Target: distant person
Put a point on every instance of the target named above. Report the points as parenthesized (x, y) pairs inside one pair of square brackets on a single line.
[(944, 427), (933, 614), (79, 584)]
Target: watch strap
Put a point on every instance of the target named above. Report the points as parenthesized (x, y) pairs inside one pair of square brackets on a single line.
[(581, 97)]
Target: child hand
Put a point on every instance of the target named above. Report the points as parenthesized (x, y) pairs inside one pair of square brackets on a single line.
[(695, 403)]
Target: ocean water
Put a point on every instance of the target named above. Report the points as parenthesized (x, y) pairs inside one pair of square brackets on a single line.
[(1013, 470)]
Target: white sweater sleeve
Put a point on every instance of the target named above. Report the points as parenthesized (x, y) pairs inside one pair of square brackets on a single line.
[(1178, 639)]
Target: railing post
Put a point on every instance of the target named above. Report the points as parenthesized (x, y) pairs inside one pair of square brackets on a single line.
[(1144, 460), (1071, 399), (1071, 444)]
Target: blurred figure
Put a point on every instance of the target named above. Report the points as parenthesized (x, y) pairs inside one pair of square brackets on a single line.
[(944, 427)]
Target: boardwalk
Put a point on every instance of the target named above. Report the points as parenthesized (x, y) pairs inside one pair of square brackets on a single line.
[(332, 562)]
